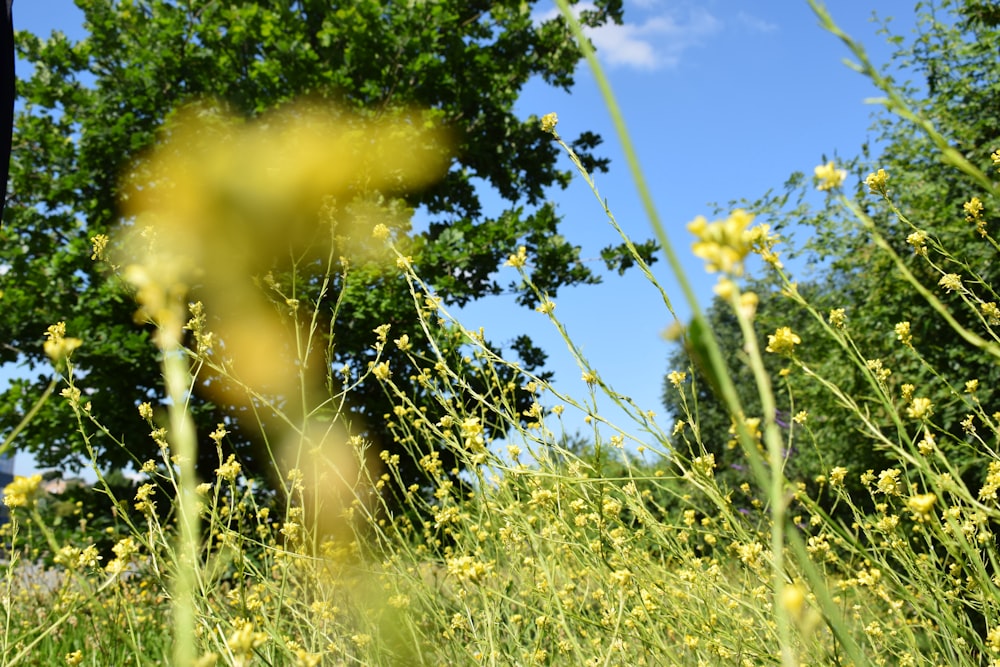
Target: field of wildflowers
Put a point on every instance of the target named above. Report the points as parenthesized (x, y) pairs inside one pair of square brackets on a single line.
[(538, 550)]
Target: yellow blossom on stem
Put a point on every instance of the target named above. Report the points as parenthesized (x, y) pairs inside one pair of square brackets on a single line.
[(99, 242), (57, 346), (546, 307), (918, 240), (903, 333), (920, 408), (549, 122), (676, 378), (518, 259), (973, 209), (951, 282), (230, 469), (888, 482), (877, 182), (782, 341), (381, 371), (380, 232), (991, 312)]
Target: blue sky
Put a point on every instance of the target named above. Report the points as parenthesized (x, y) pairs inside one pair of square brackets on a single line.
[(724, 99)]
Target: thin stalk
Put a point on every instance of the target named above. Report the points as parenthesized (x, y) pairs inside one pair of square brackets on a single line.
[(177, 376)]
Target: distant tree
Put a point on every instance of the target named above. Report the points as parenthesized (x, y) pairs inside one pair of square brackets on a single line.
[(90, 108)]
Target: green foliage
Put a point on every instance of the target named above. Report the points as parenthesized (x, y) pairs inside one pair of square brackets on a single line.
[(91, 108), (956, 89)]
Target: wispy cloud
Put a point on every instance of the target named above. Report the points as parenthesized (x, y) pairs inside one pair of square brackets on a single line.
[(755, 23), (657, 41)]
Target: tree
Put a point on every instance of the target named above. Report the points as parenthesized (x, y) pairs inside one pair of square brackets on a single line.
[(958, 79), (92, 107)]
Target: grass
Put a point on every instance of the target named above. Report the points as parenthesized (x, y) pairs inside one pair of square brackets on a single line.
[(626, 549)]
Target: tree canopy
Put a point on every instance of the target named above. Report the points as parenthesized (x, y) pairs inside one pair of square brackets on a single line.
[(92, 108)]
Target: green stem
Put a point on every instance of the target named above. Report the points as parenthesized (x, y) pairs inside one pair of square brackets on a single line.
[(184, 445)]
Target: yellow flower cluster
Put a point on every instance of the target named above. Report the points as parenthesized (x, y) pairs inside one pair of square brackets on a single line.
[(877, 182), (829, 177), (920, 408), (57, 346), (22, 492), (782, 341), (518, 259), (549, 122), (723, 244), (229, 470)]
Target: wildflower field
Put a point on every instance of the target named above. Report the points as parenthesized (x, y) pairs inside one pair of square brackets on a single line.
[(486, 534)]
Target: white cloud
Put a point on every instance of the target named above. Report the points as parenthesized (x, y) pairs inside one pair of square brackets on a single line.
[(656, 42), (652, 43), (756, 24)]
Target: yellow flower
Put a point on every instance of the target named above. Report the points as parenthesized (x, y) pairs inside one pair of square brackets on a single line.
[(380, 232), (403, 343), (518, 259), (991, 311), (99, 242), (837, 318), (467, 568), (229, 470), (677, 378), (782, 341), (920, 408), (951, 282), (243, 640), (903, 333), (723, 244), (973, 209), (57, 346), (837, 476), (829, 176), (918, 240), (22, 492), (921, 505), (74, 658), (888, 482), (546, 307), (877, 182), (549, 121)]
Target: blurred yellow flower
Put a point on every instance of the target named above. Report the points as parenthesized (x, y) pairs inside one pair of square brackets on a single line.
[(22, 492), (829, 176), (723, 244), (57, 346), (921, 504)]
